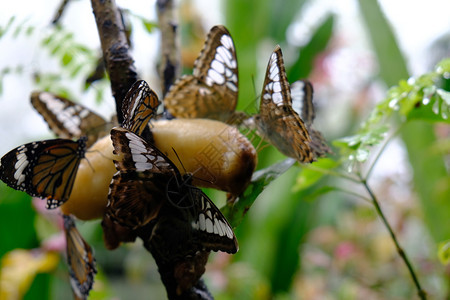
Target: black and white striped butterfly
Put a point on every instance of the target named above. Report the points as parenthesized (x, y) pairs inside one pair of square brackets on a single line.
[(154, 191), (80, 260), (302, 103), (278, 122), (70, 120), (44, 169), (212, 90)]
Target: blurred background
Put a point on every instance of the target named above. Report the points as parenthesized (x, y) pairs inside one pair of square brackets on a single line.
[(294, 243)]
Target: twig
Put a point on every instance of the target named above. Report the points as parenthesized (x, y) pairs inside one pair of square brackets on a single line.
[(60, 12), (381, 151), (169, 68), (119, 63), (422, 294)]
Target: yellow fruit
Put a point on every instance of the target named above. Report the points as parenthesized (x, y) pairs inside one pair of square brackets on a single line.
[(90, 190), (217, 155)]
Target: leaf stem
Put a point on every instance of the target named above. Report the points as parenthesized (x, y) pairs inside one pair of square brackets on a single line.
[(388, 140), (401, 252)]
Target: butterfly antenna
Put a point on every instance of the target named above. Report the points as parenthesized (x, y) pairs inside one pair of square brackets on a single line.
[(89, 163)]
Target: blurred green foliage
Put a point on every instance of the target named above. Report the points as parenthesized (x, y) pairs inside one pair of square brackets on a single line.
[(297, 215)]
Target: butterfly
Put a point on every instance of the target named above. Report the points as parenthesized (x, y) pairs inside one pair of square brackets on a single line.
[(302, 95), (212, 90), (154, 190), (277, 121), (70, 120), (80, 259), (139, 106), (45, 169)]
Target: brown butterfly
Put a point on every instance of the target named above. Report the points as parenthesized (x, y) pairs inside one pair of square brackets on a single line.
[(70, 120), (45, 169), (148, 187), (302, 103), (277, 121), (80, 259), (139, 106), (212, 90)]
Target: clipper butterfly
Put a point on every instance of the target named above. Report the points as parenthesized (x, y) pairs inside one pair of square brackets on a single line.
[(70, 120), (212, 90), (277, 121), (302, 103), (158, 193)]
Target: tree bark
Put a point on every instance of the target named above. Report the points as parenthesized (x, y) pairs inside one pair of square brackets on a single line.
[(118, 61), (169, 68)]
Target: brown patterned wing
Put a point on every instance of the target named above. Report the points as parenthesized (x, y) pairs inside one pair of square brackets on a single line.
[(69, 120), (137, 191), (139, 106), (180, 233), (302, 100), (277, 121), (302, 103), (45, 169), (80, 259), (212, 91)]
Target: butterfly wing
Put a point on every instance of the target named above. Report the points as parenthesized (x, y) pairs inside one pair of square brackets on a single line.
[(80, 259), (211, 228), (181, 232), (212, 91), (302, 100), (69, 120), (137, 190), (45, 169), (139, 106), (278, 122), (302, 103)]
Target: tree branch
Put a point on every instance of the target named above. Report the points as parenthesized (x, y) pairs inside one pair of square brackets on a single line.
[(119, 63), (169, 68)]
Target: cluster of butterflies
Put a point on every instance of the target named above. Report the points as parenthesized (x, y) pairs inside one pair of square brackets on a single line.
[(148, 196)]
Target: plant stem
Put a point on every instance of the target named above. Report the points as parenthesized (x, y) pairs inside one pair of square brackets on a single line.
[(401, 252), (388, 140)]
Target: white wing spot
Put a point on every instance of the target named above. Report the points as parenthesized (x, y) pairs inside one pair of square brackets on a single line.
[(209, 226), (201, 221), (214, 77)]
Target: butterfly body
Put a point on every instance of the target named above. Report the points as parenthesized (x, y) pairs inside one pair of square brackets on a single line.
[(212, 90), (44, 169)]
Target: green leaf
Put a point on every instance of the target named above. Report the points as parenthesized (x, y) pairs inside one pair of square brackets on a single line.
[(392, 63), (7, 26), (319, 41), (149, 26), (309, 176), (67, 58), (444, 252), (260, 179)]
